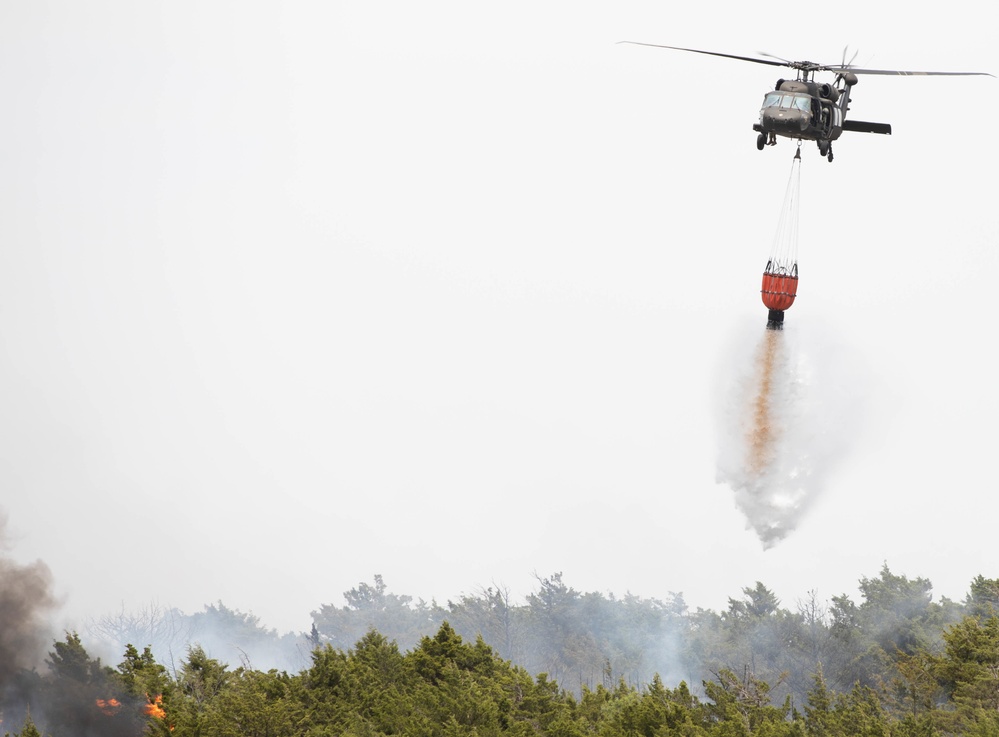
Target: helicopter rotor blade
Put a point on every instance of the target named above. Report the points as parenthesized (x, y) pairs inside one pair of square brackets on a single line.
[(786, 62), (899, 73), (808, 66), (711, 53), (847, 64)]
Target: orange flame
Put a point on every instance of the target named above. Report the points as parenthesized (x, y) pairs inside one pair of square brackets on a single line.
[(155, 707), (108, 707)]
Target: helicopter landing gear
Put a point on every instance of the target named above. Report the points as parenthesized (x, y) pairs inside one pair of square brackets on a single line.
[(766, 139), (825, 149)]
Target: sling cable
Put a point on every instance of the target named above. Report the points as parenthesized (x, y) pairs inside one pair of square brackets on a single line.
[(780, 278)]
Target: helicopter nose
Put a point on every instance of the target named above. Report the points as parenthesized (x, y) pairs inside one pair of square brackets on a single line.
[(785, 120)]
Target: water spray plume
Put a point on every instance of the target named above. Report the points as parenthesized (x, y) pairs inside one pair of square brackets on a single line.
[(762, 435), (784, 419)]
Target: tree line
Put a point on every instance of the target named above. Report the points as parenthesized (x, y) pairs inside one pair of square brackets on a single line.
[(561, 663)]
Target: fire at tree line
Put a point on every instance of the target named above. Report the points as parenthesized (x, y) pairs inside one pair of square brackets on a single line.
[(562, 663)]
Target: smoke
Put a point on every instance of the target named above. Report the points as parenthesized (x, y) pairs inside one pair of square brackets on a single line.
[(787, 411), (25, 601), (77, 697), (230, 636)]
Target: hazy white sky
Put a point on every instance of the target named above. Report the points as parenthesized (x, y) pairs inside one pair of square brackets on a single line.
[(292, 294)]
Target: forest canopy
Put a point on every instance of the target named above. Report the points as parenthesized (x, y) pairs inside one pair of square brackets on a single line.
[(563, 662)]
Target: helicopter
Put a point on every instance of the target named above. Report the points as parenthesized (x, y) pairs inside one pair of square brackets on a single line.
[(805, 109)]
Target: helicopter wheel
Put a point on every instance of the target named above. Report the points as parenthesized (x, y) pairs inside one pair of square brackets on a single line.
[(824, 148), (761, 141), (829, 155)]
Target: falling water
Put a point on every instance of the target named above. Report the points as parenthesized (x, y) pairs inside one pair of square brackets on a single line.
[(783, 424), (762, 431)]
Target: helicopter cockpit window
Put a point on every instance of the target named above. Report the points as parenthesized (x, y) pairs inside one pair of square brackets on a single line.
[(788, 101), (772, 99), (802, 102)]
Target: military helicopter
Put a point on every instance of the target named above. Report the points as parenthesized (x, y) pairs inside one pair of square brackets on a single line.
[(808, 110)]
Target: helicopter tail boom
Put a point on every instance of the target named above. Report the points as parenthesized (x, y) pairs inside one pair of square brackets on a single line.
[(862, 126)]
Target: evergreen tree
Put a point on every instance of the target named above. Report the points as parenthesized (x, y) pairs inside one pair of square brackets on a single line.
[(369, 607), (82, 697), (819, 716), (28, 729), (983, 597), (968, 670)]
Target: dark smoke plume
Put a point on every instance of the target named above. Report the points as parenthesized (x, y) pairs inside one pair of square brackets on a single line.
[(25, 600), (73, 695)]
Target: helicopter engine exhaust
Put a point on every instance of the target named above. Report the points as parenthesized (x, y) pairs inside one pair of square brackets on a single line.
[(828, 91)]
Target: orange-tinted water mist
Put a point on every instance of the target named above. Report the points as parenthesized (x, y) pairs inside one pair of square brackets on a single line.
[(763, 433)]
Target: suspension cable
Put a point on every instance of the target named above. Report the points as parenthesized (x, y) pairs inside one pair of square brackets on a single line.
[(784, 253)]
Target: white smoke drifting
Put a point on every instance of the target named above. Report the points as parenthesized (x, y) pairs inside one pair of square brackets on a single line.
[(787, 410)]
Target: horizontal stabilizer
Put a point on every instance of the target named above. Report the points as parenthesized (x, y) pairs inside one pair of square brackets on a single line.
[(861, 126)]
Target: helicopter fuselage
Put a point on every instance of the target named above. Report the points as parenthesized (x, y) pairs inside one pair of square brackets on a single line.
[(804, 110), (811, 111)]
